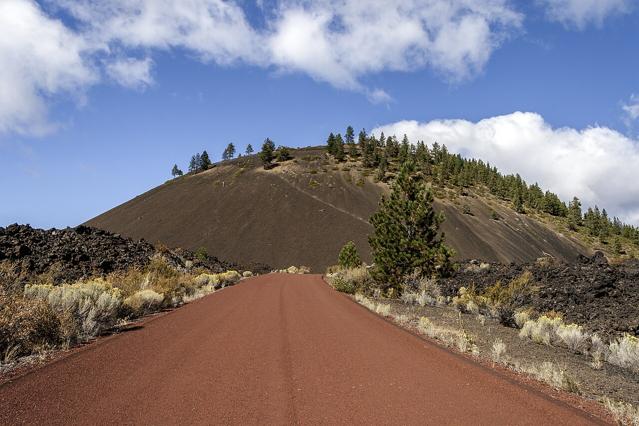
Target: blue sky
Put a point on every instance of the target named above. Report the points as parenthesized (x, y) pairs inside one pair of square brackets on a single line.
[(95, 112)]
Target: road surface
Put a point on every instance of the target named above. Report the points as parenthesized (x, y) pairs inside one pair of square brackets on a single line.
[(277, 349)]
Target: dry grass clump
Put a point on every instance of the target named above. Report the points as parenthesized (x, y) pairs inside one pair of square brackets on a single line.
[(423, 292), (26, 326), (457, 338), (350, 280), (542, 330), (573, 336), (382, 309), (624, 352), (553, 375), (550, 330), (92, 306), (144, 301), (498, 351), (43, 315), (497, 301), (624, 413)]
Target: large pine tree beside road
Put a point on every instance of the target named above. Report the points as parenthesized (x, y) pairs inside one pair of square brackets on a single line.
[(406, 236)]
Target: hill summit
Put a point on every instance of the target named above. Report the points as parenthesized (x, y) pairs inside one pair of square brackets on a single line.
[(303, 209)]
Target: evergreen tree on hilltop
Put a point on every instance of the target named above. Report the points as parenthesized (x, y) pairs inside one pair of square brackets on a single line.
[(404, 150), (350, 142), (330, 144), (195, 165), (348, 256), (382, 168), (267, 153), (406, 236), (205, 161), (339, 152), (176, 171), (249, 149), (574, 214), (229, 152)]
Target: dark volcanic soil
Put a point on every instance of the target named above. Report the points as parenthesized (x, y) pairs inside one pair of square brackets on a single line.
[(603, 298), (75, 253), (303, 211)]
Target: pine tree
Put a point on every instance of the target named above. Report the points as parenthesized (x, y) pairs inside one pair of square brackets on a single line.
[(406, 236), (381, 169), (339, 153), (404, 150), (176, 171), (350, 142), (267, 153), (283, 154), (195, 165), (249, 149), (229, 152), (518, 201), (348, 256), (205, 161), (330, 144), (574, 214)]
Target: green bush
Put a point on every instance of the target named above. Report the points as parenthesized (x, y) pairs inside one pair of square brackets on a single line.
[(344, 286), (348, 256)]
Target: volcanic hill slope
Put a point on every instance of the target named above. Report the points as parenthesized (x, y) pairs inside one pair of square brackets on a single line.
[(303, 211)]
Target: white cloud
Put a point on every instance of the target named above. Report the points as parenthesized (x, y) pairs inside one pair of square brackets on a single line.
[(631, 109), (596, 164), (340, 41), (39, 58), (580, 13), (334, 41), (131, 73)]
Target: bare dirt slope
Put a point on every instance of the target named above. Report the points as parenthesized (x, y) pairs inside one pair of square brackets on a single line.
[(303, 211), (278, 349)]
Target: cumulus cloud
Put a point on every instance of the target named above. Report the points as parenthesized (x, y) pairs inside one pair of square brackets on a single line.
[(131, 73), (595, 163), (39, 58), (334, 41), (631, 109), (580, 13)]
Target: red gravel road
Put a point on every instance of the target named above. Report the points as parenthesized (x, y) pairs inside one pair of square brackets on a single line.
[(277, 349)]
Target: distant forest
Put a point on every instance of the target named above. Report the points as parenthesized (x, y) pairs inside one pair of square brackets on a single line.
[(443, 169)]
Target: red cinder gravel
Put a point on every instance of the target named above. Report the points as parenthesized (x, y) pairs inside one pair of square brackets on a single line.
[(277, 349)]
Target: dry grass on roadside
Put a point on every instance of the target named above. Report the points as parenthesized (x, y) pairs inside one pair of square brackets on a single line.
[(624, 413), (43, 316)]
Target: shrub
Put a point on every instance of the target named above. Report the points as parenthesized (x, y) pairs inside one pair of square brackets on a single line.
[(451, 337), (624, 352), (91, 306), (624, 413), (358, 279), (554, 376), (340, 284), (283, 154), (348, 256), (498, 350), (144, 301), (201, 254), (521, 317), (572, 336), (25, 326), (542, 330)]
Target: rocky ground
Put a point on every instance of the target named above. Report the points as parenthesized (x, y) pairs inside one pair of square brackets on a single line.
[(70, 254), (602, 297)]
